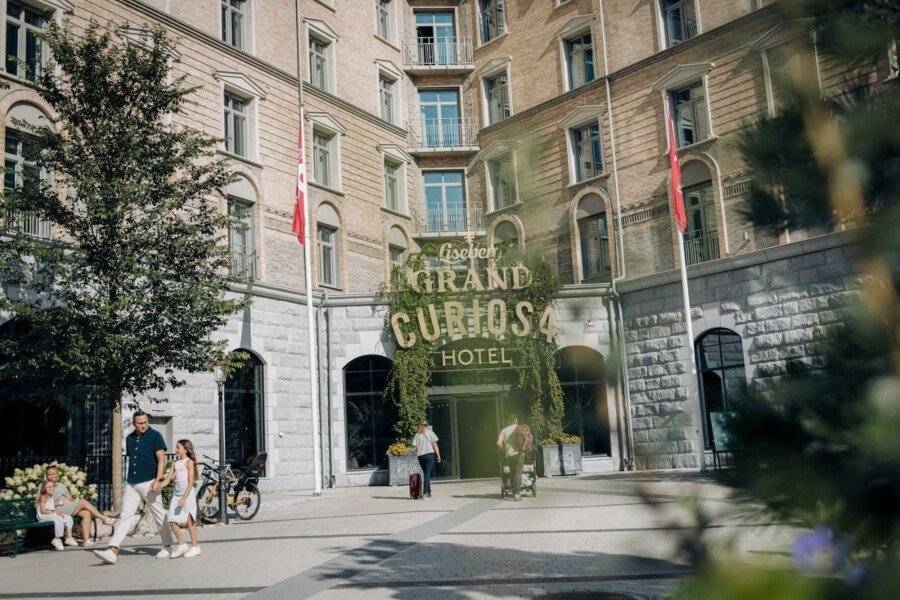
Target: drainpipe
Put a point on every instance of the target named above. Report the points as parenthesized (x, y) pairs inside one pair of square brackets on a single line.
[(620, 243), (328, 388)]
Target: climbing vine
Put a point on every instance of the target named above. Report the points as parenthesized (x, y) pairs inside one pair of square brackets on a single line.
[(535, 364)]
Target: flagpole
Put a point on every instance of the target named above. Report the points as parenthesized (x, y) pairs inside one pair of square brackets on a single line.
[(689, 333)]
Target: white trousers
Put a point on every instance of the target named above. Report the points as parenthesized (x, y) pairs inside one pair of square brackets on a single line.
[(61, 523), (129, 518)]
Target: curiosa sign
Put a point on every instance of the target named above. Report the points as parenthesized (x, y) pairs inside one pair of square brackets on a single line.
[(475, 306)]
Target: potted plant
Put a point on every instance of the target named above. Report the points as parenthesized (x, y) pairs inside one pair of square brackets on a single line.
[(561, 455), (401, 463)]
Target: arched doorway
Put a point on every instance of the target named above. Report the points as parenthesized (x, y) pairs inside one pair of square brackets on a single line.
[(582, 377), (245, 410), (370, 417), (720, 362)]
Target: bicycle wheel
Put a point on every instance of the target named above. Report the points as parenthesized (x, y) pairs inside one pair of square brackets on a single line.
[(246, 505), (208, 502)]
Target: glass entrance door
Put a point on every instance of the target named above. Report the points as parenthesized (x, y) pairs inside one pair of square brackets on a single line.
[(476, 421), (441, 417)]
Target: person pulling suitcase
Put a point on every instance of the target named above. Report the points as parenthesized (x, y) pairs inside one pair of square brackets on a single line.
[(426, 444)]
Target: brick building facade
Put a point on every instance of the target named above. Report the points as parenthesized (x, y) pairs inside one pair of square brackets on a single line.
[(537, 123)]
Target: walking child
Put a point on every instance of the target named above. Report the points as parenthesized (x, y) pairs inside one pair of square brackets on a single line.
[(183, 506), (47, 511)]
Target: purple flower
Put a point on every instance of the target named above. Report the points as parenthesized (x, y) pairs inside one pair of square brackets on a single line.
[(819, 551)]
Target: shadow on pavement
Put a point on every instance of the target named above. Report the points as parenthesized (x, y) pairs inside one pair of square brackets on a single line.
[(414, 571)]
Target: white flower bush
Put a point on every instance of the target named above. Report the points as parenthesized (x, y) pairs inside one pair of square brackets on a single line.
[(24, 483)]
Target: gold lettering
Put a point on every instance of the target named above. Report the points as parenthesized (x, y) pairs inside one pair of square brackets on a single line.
[(525, 327), (447, 280), (404, 341), (496, 319), (503, 359), (492, 356), (453, 315), (473, 281), (494, 279), (448, 355), (435, 332)]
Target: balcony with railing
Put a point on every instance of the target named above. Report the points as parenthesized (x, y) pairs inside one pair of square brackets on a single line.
[(442, 55), (701, 247), (450, 221), (444, 136), (29, 224), (243, 263), (596, 266)]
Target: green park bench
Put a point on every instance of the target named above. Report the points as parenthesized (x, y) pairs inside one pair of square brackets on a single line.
[(19, 514)]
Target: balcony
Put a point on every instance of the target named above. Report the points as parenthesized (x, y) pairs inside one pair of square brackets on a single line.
[(438, 55), (596, 266), (243, 264), (701, 247), (451, 221), (28, 224), (444, 136)]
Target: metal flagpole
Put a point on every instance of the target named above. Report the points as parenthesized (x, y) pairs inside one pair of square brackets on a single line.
[(689, 332), (307, 274)]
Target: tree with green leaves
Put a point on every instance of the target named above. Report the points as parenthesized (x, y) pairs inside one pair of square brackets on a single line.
[(822, 447), (127, 294)]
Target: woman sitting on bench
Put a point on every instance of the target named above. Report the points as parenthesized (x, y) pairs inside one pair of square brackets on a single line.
[(65, 506)]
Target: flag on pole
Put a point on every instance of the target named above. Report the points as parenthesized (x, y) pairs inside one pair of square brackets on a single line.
[(300, 199), (675, 167)]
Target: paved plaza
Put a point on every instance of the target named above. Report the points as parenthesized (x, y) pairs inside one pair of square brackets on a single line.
[(584, 533)]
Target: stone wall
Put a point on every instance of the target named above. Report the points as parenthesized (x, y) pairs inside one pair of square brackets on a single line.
[(779, 301)]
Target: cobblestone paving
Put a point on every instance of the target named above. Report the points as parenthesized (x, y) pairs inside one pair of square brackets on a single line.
[(587, 533)]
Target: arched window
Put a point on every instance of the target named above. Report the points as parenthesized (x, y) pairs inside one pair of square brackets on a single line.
[(397, 246), (506, 237), (370, 417), (593, 239), (241, 235), (581, 374), (19, 145), (720, 361), (245, 410), (701, 242), (328, 225)]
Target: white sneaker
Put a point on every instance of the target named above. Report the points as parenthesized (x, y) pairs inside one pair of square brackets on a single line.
[(194, 551), (57, 544), (164, 553), (70, 541), (88, 543), (178, 551), (107, 556)]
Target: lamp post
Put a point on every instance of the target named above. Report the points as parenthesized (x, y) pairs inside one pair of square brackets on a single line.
[(220, 375)]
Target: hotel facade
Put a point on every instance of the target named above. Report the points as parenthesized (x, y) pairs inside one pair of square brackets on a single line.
[(537, 124)]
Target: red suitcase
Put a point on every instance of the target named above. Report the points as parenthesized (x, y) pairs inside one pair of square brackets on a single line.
[(415, 486)]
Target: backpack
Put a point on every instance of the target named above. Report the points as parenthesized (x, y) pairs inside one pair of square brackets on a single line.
[(521, 438)]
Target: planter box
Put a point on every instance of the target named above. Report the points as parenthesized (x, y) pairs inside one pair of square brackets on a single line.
[(562, 459), (401, 467)]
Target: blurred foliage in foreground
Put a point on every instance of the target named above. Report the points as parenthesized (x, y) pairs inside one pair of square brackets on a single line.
[(822, 447)]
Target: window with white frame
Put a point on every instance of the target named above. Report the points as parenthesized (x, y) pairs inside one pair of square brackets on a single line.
[(579, 54), (236, 112), (393, 196), (234, 22), (324, 144), (501, 173), (587, 151), (24, 47), (679, 20), (328, 258), (492, 17), (593, 239), (18, 174), (241, 241), (384, 17), (690, 114), (320, 63), (496, 96), (387, 96)]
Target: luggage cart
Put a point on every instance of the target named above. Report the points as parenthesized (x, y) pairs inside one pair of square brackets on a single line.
[(529, 476)]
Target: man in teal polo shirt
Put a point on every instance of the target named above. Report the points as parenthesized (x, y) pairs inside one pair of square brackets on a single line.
[(146, 452)]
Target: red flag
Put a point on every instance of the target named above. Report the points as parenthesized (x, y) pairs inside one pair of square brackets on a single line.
[(675, 167), (299, 209)]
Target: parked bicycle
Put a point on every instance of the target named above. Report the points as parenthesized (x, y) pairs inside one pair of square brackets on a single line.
[(241, 488)]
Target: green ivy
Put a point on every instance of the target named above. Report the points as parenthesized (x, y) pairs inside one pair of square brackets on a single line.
[(536, 364)]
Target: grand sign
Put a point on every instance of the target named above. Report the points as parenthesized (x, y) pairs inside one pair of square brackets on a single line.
[(480, 315)]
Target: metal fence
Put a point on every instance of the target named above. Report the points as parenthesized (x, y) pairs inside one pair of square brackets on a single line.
[(439, 52), (701, 248), (442, 134), (454, 219)]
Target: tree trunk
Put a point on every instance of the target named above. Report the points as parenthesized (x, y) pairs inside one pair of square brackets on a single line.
[(115, 450)]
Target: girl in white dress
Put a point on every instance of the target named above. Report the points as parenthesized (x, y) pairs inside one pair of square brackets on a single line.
[(183, 506), (47, 510)]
